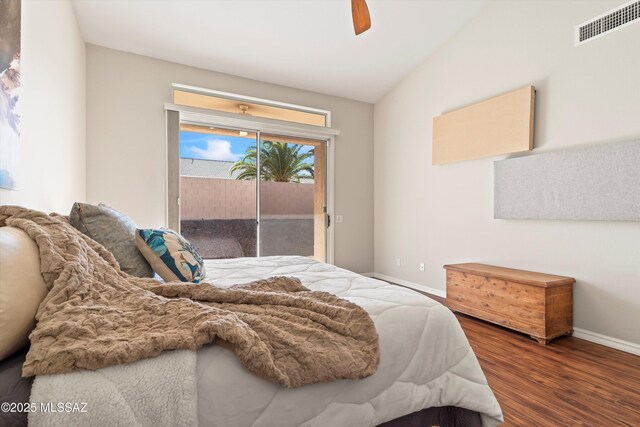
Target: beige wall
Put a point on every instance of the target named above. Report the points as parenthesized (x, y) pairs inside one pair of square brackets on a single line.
[(220, 198), (215, 198), (286, 199), (52, 102), (126, 142), (443, 214)]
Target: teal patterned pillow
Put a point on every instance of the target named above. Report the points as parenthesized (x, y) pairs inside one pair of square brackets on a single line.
[(170, 255)]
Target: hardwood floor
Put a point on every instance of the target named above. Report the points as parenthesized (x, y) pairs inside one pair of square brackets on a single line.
[(569, 382)]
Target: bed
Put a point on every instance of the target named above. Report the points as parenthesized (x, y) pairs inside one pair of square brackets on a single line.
[(425, 358), (428, 373)]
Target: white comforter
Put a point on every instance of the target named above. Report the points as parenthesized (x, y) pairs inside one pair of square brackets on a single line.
[(425, 361)]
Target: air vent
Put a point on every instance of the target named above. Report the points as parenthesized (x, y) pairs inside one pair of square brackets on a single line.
[(612, 20)]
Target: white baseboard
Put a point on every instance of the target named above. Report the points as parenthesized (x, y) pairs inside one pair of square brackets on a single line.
[(416, 286), (594, 337), (607, 341)]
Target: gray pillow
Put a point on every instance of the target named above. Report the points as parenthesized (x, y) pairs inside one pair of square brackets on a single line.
[(113, 230)]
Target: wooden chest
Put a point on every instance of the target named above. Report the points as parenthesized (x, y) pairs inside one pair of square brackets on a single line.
[(537, 304)]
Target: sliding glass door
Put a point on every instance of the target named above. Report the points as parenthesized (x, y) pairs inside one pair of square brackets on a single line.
[(243, 193), (218, 201), (292, 196)]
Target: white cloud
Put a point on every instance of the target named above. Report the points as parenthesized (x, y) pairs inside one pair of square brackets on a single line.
[(217, 149)]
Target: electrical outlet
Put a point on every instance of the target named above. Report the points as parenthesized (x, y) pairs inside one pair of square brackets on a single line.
[(421, 266), (397, 262), (339, 218)]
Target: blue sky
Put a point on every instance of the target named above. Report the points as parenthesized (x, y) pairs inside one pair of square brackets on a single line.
[(195, 145)]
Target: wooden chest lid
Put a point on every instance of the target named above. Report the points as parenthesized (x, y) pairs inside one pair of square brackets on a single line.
[(511, 274)]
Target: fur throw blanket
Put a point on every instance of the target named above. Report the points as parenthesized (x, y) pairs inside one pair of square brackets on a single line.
[(95, 316)]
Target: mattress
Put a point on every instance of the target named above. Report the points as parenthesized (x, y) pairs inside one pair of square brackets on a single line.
[(425, 359)]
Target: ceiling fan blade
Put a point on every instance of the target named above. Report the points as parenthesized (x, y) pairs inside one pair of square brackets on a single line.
[(361, 18)]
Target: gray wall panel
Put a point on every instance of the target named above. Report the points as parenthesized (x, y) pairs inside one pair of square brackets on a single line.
[(592, 183)]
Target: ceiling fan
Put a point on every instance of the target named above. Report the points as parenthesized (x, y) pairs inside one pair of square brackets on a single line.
[(360, 14)]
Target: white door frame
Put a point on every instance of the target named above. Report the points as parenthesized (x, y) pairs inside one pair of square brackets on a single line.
[(213, 118)]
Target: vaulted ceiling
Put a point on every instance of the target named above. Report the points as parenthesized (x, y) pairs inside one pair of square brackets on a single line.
[(306, 44)]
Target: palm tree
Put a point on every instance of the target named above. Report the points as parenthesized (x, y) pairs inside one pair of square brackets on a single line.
[(279, 162)]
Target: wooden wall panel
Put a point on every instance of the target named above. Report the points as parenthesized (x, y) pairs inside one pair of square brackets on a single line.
[(499, 125)]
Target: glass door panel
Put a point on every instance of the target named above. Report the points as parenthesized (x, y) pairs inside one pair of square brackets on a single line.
[(218, 209), (292, 196)]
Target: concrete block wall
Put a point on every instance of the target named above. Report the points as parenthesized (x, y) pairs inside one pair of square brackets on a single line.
[(218, 198)]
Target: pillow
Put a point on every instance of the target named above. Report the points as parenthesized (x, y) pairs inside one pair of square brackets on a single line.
[(22, 289), (113, 230), (170, 255)]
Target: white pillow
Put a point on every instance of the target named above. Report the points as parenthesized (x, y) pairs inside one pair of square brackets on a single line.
[(22, 289)]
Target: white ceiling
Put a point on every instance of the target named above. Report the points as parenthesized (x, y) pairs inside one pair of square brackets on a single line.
[(306, 44)]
